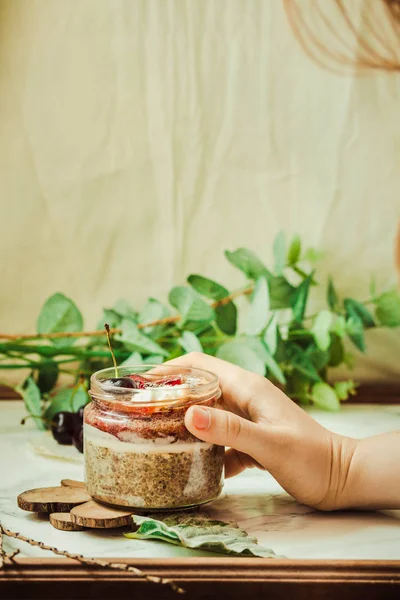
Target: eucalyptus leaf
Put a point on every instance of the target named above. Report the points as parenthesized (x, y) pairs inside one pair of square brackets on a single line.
[(156, 359), (339, 327), (258, 315), (280, 292), (134, 359), (299, 299), (387, 309), (355, 331), (60, 314), (279, 250), (124, 309), (294, 355), (207, 287), (345, 389), (332, 296), (136, 341), (226, 317), (356, 310), (336, 351), (198, 532), (294, 251), (190, 305), (190, 342), (271, 335), (47, 376), (320, 329), (247, 262), (324, 397), (32, 400), (153, 310), (70, 400), (238, 353), (257, 346)]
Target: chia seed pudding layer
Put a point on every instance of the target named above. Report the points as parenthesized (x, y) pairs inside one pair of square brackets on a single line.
[(144, 457)]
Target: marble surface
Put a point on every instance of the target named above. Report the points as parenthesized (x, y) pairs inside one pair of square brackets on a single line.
[(253, 499)]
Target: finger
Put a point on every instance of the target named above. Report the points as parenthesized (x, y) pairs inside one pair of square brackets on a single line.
[(224, 428), (236, 462), (238, 385)]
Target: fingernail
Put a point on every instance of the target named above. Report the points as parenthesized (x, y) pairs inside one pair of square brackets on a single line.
[(201, 417)]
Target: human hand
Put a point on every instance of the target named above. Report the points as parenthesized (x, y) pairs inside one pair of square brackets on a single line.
[(264, 428)]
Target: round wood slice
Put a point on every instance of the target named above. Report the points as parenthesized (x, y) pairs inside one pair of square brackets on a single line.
[(97, 516), (63, 521), (52, 499), (73, 483)]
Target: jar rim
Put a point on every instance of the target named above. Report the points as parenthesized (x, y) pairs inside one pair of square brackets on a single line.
[(126, 396)]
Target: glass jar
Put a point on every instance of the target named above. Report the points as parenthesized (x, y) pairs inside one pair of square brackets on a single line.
[(138, 452)]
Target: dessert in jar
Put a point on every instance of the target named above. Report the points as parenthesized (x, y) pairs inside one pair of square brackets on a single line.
[(138, 452)]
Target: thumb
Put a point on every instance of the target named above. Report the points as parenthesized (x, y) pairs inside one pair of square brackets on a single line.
[(224, 428)]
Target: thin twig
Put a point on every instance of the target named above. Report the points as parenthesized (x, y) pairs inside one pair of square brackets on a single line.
[(114, 330), (93, 562)]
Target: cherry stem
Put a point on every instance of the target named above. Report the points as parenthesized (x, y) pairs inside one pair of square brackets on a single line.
[(107, 328)]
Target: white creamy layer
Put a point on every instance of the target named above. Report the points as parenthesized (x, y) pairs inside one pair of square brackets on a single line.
[(151, 394), (137, 444)]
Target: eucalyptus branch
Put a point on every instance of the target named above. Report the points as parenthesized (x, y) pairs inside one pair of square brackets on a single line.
[(92, 562), (116, 330)]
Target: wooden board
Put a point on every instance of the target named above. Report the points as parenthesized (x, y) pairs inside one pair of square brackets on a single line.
[(52, 499), (97, 516), (63, 521), (73, 483)]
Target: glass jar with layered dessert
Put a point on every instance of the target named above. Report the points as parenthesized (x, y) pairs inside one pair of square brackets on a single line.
[(138, 452)]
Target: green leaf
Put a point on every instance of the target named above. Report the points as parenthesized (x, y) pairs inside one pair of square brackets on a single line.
[(294, 251), (336, 351), (317, 357), (136, 341), (207, 287), (257, 346), (279, 249), (111, 317), (190, 342), (153, 310), (59, 314), (292, 354), (339, 327), (123, 308), (70, 399), (344, 389), (312, 255), (238, 353), (355, 331), (280, 292), (387, 309), (190, 305), (299, 299), (134, 359), (247, 262), (332, 296), (259, 309), (155, 359), (320, 329), (358, 311), (198, 532), (226, 318), (47, 376), (271, 334), (324, 397), (32, 400)]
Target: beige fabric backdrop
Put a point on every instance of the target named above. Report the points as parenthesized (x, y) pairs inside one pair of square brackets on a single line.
[(141, 138)]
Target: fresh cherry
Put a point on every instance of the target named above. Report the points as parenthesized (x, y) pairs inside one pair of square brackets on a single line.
[(63, 427), (77, 439), (120, 382), (138, 381)]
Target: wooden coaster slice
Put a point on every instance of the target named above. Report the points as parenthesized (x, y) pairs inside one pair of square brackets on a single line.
[(52, 499), (63, 521), (73, 483), (95, 515)]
